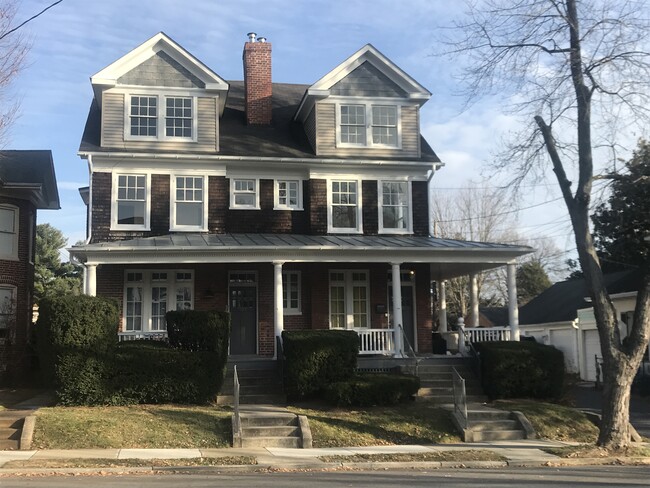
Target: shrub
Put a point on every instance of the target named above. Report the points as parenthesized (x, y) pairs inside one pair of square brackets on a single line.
[(317, 358), (521, 370), (195, 330), (367, 390)]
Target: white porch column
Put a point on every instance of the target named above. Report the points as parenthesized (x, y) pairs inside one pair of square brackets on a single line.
[(90, 276), (473, 299), (278, 313), (397, 308), (442, 305), (513, 309)]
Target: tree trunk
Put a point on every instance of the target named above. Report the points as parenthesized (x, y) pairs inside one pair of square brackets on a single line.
[(615, 423)]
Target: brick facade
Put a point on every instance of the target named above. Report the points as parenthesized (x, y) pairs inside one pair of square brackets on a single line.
[(14, 354), (257, 82)]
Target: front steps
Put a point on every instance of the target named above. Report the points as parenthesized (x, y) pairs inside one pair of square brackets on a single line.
[(436, 380), (259, 383), (489, 424), (11, 426), (268, 426)]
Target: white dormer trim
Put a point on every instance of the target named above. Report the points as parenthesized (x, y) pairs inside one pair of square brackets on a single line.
[(321, 89), (108, 76)]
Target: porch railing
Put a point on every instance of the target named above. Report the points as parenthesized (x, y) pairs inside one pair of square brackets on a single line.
[(132, 336), (376, 341), (487, 334), (460, 397)]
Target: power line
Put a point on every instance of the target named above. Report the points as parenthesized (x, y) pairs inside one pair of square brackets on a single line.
[(30, 19), (499, 213)]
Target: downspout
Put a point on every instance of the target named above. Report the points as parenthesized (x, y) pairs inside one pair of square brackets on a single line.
[(89, 231)]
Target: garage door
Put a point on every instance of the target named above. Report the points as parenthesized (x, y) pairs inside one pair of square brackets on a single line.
[(592, 348)]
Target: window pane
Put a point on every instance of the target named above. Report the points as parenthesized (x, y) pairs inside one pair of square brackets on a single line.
[(130, 213), (178, 117), (7, 218), (245, 199), (144, 117), (189, 214), (353, 124), (395, 205)]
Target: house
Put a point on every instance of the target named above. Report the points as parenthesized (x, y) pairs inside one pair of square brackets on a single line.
[(562, 316), (292, 206), (27, 183)]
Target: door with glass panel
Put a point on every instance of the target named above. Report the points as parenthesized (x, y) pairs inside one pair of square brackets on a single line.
[(243, 313)]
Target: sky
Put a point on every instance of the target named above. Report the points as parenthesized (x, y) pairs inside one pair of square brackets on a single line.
[(77, 38)]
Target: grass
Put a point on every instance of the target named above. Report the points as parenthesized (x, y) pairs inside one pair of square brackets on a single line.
[(138, 426), (554, 422), (592, 451), (411, 423), (438, 456), (130, 463)]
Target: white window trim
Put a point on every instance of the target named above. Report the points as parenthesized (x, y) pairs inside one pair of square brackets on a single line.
[(147, 202), (276, 195), (257, 194), (380, 204), (172, 207), (289, 310), (349, 298), (147, 283), (368, 104), (161, 106), (347, 230), (13, 256)]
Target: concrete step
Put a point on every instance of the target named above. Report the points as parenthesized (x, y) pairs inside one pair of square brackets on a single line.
[(245, 389), (271, 398), (498, 435), (9, 445), (492, 425), (10, 433), (473, 415), (449, 399), (287, 442), (271, 431), (442, 368), (446, 391), (445, 360), (11, 422), (260, 420)]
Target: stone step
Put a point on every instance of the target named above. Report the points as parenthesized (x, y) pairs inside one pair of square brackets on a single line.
[(271, 431), (498, 435), (9, 445), (288, 442), (10, 433), (11, 422), (492, 425)]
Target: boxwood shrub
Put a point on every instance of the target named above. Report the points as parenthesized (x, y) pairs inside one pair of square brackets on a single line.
[(317, 358), (366, 390), (513, 369), (195, 330)]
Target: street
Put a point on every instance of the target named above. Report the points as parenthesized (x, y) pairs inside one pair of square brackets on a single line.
[(586, 476)]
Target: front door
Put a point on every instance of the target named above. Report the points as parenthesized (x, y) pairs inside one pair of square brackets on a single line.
[(243, 317)]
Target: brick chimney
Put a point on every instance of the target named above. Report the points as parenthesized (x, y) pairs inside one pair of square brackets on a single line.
[(257, 80)]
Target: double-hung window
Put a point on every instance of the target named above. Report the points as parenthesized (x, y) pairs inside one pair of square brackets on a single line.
[(291, 292), (395, 207), (244, 193), (143, 116), (189, 203), (178, 117), (160, 117), (8, 232), (344, 206), (288, 195), (349, 299), (368, 125), (130, 202)]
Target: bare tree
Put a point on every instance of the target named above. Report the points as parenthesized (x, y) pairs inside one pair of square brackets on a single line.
[(13, 49), (572, 68)]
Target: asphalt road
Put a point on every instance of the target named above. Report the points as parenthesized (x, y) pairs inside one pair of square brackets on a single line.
[(591, 476)]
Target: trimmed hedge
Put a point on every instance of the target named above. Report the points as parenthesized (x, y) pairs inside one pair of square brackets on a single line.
[(366, 390), (317, 358), (513, 369), (79, 336)]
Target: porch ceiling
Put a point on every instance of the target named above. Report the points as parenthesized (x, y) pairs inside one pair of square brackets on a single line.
[(448, 257)]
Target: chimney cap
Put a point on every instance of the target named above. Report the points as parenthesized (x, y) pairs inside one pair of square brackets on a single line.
[(251, 36), (261, 39)]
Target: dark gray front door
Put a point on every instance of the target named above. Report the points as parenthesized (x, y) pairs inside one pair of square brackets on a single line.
[(243, 316)]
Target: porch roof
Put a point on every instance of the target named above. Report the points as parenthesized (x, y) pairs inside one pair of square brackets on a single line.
[(465, 256)]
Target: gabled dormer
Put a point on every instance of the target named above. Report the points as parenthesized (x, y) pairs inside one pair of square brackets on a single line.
[(159, 97), (365, 107)]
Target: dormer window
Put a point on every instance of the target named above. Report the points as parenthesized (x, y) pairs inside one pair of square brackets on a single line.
[(368, 125), (160, 117)]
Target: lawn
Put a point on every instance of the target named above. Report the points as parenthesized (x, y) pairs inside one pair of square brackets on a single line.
[(410, 423), (138, 426), (554, 422)]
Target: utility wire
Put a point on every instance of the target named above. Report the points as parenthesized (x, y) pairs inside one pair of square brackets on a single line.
[(500, 213), (30, 19)]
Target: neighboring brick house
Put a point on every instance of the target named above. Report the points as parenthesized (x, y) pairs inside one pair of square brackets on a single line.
[(27, 183), (291, 206)]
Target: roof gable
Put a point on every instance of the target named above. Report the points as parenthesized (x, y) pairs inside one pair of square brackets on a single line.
[(160, 52), (161, 66), (367, 81), (375, 65)]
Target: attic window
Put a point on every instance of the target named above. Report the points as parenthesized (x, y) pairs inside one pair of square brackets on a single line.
[(151, 117), (368, 125), (144, 116)]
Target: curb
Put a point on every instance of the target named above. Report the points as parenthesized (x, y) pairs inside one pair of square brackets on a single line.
[(27, 433)]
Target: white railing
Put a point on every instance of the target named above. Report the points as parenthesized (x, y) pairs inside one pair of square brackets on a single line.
[(487, 334), (460, 396), (236, 419), (132, 336), (376, 341)]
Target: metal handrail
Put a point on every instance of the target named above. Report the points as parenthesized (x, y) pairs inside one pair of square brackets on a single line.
[(279, 360), (236, 418), (405, 340), (460, 396)]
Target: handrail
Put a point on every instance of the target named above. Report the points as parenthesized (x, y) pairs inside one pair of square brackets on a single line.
[(236, 418), (460, 396), (279, 360), (406, 341)]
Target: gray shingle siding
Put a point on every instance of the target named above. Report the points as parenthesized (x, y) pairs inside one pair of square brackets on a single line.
[(161, 70), (367, 81)]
